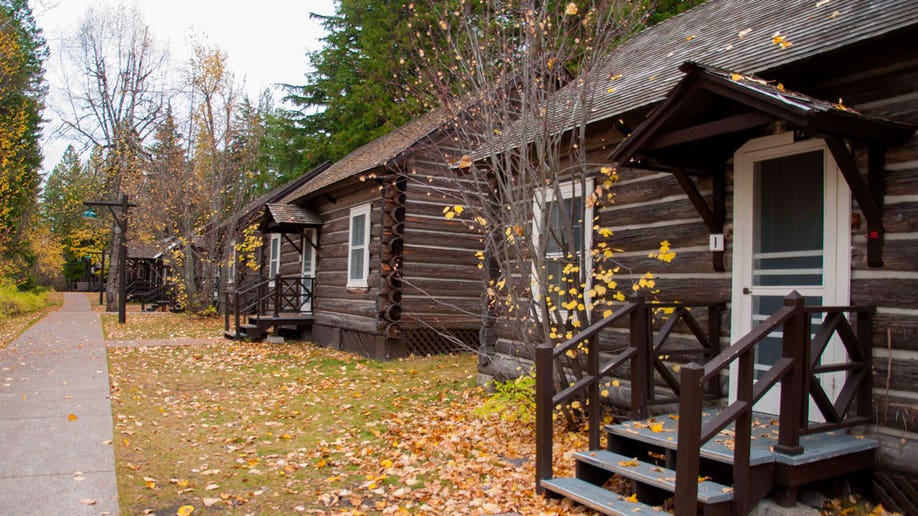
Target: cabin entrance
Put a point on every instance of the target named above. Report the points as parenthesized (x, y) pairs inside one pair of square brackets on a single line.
[(308, 271), (791, 232)]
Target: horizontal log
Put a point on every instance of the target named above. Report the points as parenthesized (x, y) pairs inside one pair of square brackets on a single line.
[(679, 235), (901, 376), (347, 321), (433, 238), (394, 199), (890, 293), (898, 255), (895, 331), (395, 216), (650, 190), (900, 218), (392, 313)]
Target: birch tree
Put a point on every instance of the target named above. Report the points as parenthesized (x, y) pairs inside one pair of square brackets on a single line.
[(115, 88)]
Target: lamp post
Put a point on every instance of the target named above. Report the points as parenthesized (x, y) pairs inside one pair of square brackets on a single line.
[(119, 211)]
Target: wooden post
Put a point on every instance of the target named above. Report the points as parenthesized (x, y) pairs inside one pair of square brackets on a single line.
[(793, 389), (865, 343), (689, 440), (714, 312), (226, 305), (593, 393), (742, 433), (278, 286), (640, 364), (544, 410)]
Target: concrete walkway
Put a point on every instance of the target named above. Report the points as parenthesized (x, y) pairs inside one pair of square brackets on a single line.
[(55, 418)]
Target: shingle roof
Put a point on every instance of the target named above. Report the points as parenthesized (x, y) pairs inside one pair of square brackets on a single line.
[(744, 36), (378, 152), (292, 214)]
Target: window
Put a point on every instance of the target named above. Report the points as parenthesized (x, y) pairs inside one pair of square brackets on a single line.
[(566, 234), (274, 259), (358, 261)]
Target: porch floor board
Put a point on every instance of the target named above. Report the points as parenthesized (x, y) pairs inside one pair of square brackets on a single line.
[(816, 447)]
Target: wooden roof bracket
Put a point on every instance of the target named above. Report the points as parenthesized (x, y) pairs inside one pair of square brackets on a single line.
[(713, 216), (299, 249), (869, 195)]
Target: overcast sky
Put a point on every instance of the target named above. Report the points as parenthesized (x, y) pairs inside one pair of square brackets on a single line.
[(266, 40)]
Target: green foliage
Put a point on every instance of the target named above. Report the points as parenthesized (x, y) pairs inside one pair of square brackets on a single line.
[(513, 400), (357, 92), (14, 301), (22, 92), (660, 10)]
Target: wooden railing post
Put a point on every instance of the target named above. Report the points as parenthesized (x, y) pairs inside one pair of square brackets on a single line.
[(544, 408), (794, 398), (236, 311), (742, 432), (278, 287), (688, 454), (226, 305), (593, 393), (714, 312), (640, 364), (865, 344)]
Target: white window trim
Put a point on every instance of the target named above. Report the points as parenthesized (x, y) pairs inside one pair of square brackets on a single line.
[(361, 282), (539, 201), (308, 242), (274, 261)]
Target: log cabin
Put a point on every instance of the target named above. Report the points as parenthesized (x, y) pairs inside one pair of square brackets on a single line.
[(773, 144), (389, 276)]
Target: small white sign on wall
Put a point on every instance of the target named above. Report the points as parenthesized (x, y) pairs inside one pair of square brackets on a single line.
[(717, 242)]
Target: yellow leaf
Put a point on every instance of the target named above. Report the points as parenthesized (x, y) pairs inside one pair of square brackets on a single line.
[(72, 417), (632, 498), (386, 463), (185, 510), (571, 9), (690, 37), (656, 428), (321, 463), (628, 463)]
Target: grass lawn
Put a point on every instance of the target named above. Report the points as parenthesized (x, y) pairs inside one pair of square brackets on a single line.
[(160, 325), (13, 326), (253, 428)]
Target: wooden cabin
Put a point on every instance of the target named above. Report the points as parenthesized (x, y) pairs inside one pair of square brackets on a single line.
[(389, 276), (246, 280), (772, 143)]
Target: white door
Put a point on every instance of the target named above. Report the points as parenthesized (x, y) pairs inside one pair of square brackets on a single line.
[(791, 232), (309, 267)]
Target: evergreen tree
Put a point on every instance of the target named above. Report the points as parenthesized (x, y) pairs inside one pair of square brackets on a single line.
[(22, 92), (357, 91)]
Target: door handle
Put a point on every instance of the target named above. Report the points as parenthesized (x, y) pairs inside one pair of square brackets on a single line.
[(746, 290)]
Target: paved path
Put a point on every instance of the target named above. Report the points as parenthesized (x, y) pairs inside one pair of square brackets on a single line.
[(49, 461)]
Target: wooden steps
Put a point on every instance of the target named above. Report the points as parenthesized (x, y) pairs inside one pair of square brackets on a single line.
[(257, 327), (597, 498), (645, 453)]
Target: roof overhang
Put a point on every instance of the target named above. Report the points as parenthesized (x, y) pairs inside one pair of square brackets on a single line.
[(288, 218), (712, 112)]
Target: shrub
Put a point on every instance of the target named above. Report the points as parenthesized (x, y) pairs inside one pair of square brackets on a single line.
[(513, 400), (14, 301)]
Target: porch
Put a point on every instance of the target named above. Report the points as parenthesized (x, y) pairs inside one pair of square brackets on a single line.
[(269, 305), (714, 451)]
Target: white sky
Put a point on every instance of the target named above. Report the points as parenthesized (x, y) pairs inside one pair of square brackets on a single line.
[(266, 40)]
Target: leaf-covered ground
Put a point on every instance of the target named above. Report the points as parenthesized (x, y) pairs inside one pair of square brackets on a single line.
[(161, 325), (284, 429), (13, 326)]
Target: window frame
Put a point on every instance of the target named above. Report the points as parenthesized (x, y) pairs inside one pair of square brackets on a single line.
[(541, 200), (274, 261), (363, 280)]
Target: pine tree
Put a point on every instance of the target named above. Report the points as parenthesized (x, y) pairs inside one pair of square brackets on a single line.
[(22, 92)]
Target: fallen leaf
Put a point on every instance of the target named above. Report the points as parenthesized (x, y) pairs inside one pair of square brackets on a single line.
[(185, 510), (72, 417), (88, 501)]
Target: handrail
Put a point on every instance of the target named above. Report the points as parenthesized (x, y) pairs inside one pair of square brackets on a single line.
[(640, 352), (797, 371), (286, 292)]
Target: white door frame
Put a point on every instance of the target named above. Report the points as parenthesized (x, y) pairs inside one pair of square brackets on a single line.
[(308, 262), (836, 286)]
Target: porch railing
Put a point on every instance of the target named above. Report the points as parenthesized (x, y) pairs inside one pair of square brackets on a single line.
[(645, 353), (269, 297), (797, 370)]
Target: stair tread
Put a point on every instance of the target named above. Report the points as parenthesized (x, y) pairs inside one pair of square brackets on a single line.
[(661, 431), (596, 497), (708, 492)]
